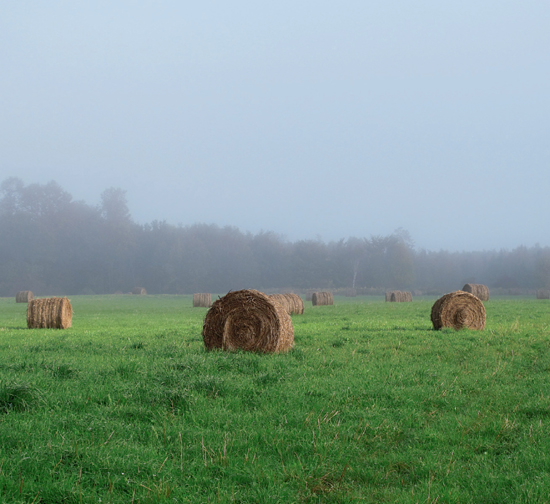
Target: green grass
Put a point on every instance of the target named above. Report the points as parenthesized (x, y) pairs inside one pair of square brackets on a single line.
[(371, 406)]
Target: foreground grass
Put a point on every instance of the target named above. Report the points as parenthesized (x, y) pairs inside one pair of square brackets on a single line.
[(372, 405)]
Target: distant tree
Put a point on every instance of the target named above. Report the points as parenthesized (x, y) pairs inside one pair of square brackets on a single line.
[(114, 206), (273, 258), (542, 269), (11, 193), (311, 265), (45, 201), (349, 259), (118, 238)]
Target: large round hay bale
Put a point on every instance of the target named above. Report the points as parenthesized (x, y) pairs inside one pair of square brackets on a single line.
[(202, 300), (49, 313), (140, 291), (479, 290), (322, 298), (248, 320), (460, 310), (543, 294), (24, 297)]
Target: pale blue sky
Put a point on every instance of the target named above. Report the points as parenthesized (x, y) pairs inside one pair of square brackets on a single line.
[(307, 118)]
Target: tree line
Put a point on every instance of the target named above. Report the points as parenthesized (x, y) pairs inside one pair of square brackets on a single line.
[(54, 245)]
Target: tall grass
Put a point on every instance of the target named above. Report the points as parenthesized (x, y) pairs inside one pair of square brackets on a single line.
[(372, 405)]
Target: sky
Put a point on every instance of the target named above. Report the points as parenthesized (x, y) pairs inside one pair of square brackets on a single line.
[(308, 118)]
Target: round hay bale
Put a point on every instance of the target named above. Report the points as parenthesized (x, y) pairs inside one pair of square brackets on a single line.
[(398, 296), (248, 320), (322, 298), (479, 290), (292, 303), (395, 296), (282, 300), (49, 313), (296, 304), (140, 291), (24, 297), (543, 294), (460, 310), (202, 300)]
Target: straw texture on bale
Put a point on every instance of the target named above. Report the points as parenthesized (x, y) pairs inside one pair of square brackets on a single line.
[(281, 299), (543, 294), (322, 298), (49, 313), (460, 310), (292, 303), (202, 300), (296, 303), (140, 291), (248, 320), (24, 297), (478, 290), (398, 297)]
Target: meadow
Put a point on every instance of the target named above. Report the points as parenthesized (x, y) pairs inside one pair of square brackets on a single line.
[(372, 405)]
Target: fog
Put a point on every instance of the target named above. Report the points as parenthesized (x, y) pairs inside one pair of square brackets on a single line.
[(314, 120)]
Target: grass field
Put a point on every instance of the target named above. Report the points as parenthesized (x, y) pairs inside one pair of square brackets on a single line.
[(371, 406)]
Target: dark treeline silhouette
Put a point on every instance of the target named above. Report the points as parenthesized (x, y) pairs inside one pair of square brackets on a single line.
[(51, 244)]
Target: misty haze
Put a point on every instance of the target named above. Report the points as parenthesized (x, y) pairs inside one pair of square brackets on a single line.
[(310, 121), (53, 244)]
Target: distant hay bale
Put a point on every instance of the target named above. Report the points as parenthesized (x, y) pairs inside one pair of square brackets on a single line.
[(543, 294), (322, 298), (398, 296), (49, 313), (139, 291), (296, 304), (309, 295), (282, 300), (202, 300), (248, 320), (460, 310), (478, 290), (24, 297), (292, 303)]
